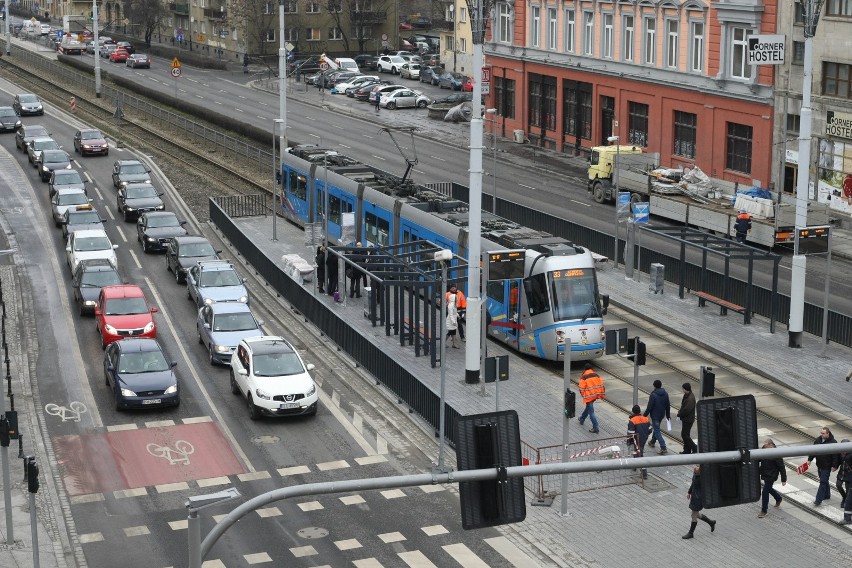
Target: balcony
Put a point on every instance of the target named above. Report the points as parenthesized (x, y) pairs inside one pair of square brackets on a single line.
[(182, 9), (443, 25), (215, 13), (363, 17)]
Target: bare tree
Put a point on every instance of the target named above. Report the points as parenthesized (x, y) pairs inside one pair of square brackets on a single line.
[(357, 19), (147, 14), (256, 22)]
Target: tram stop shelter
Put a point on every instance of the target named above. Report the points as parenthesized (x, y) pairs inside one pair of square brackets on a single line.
[(405, 286), (719, 288)]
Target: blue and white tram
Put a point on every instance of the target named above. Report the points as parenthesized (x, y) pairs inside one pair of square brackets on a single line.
[(556, 301)]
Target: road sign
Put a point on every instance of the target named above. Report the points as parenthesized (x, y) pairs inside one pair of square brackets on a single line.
[(324, 66), (486, 88), (622, 206), (176, 72), (641, 212), (486, 74), (175, 63)]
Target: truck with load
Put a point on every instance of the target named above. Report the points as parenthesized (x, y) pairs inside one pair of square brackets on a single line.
[(688, 196), (75, 25)]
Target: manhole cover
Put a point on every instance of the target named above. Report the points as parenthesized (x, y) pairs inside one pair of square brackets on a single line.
[(313, 532), (265, 440)]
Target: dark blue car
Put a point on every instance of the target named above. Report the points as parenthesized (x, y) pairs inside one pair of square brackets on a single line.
[(139, 374)]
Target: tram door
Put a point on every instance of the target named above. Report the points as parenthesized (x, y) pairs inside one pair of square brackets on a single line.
[(504, 309)]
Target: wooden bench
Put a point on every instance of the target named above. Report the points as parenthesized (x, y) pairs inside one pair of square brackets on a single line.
[(724, 305)]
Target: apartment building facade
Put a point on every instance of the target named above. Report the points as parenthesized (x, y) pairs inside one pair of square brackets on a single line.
[(670, 76)]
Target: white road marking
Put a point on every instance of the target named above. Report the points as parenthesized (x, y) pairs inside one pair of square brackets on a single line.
[(199, 97), (464, 556), (235, 446), (261, 117), (526, 186), (238, 109), (347, 425), (337, 127), (99, 194), (511, 552), (109, 213), (135, 258), (379, 158), (263, 104), (88, 177), (218, 102), (191, 80), (580, 203), (241, 96), (367, 136), (437, 158), (416, 559), (418, 172), (309, 118), (314, 135)]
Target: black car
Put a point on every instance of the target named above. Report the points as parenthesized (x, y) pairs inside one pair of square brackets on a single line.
[(80, 218), (90, 276), (51, 161), (455, 98), (27, 134), (140, 376), (183, 252), (9, 121), (156, 228), (129, 171), (27, 104), (137, 198), (366, 61), (65, 179), (128, 47)]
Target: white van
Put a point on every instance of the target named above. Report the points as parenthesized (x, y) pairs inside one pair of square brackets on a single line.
[(346, 64)]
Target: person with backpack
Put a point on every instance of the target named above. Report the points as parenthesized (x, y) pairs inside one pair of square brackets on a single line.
[(769, 471)]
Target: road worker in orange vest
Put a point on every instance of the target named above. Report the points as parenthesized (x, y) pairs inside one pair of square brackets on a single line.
[(591, 389), (638, 430)]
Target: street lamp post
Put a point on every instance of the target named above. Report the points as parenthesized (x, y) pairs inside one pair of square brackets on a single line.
[(277, 123), (615, 139), (193, 505), (443, 256), (97, 48), (493, 113)]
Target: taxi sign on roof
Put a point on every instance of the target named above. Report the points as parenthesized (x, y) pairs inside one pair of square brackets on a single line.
[(175, 63)]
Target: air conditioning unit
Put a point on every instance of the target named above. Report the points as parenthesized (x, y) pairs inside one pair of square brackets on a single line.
[(518, 136)]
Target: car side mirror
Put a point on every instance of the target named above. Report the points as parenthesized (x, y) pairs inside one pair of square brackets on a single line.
[(605, 301), (161, 193), (173, 365), (110, 367), (183, 223), (310, 366), (260, 323), (154, 310), (114, 247), (242, 372), (97, 311), (218, 252), (75, 285), (206, 326), (63, 222), (68, 248)]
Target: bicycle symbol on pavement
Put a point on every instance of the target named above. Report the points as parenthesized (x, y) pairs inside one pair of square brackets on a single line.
[(71, 412), (179, 455)]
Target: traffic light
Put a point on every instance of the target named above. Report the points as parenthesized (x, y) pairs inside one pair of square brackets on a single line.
[(4, 432), (637, 352), (570, 404), (708, 381), (31, 472), (616, 341)]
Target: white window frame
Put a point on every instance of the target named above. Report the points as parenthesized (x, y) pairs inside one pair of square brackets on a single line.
[(292, 34), (552, 28), (740, 69), (588, 33), (451, 46), (462, 45), (312, 8), (629, 37), (505, 25), (696, 44), (672, 41), (311, 37), (608, 39), (570, 30), (291, 7), (462, 14), (649, 40), (535, 26), (270, 35), (335, 33)]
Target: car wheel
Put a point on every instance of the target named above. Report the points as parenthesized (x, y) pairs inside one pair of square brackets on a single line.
[(118, 405), (106, 153), (210, 355), (106, 379), (253, 412), (178, 278), (198, 332), (145, 247), (235, 389), (168, 265), (188, 295), (391, 105), (421, 104)]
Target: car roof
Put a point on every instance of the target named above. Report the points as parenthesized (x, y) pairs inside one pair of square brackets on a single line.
[(230, 308), (190, 239), (43, 139), (150, 214), (262, 345), (216, 265), (122, 291), (138, 345), (70, 190), (90, 233), (90, 130), (96, 265), (128, 162)]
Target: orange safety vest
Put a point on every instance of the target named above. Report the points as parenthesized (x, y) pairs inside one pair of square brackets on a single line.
[(637, 420), (591, 386), (461, 301)]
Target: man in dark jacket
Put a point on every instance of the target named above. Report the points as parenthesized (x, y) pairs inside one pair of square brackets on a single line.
[(686, 415), (825, 463), (638, 428), (658, 408), (769, 471), (844, 478), (331, 274), (742, 225)]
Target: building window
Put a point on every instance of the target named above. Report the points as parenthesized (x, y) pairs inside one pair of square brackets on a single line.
[(542, 101), (312, 34), (462, 15), (335, 6), (535, 31), (291, 34), (628, 35), (637, 124), (505, 92), (505, 23), (450, 13), (740, 69), (570, 30), (835, 80), (552, 29), (451, 44), (550, 103), (270, 35), (535, 102), (608, 39), (364, 32), (312, 8), (269, 8), (697, 46), (684, 134), (588, 33), (291, 7), (739, 148), (798, 53), (838, 8), (577, 109), (672, 31), (650, 47), (793, 123), (462, 45), (799, 12), (335, 33)]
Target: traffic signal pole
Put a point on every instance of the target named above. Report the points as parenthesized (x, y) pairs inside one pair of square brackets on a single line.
[(566, 425)]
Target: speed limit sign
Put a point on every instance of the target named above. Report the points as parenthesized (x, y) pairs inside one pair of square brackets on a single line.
[(324, 66), (176, 72)]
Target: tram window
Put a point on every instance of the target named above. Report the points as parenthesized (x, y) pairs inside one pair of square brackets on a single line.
[(334, 209), (573, 294), (536, 291), (320, 202), (377, 229), (299, 185), (495, 290)]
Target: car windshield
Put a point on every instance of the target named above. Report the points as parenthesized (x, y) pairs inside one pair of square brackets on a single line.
[(125, 306), (196, 249), (7, 112), (28, 98), (147, 362), (83, 218), (45, 145), (234, 322), (33, 131), (133, 169), (55, 156), (163, 221), (220, 278), (90, 135), (277, 365), (99, 279), (72, 199), (140, 192), (89, 244), (65, 178)]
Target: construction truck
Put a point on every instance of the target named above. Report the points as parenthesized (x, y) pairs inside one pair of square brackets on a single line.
[(688, 196)]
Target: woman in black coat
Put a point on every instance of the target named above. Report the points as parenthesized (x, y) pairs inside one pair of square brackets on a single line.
[(769, 471), (331, 274), (844, 477), (696, 503), (319, 260)]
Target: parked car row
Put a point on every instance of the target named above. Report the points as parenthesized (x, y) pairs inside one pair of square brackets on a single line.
[(370, 88)]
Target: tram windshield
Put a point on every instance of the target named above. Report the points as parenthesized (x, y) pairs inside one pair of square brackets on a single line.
[(573, 293)]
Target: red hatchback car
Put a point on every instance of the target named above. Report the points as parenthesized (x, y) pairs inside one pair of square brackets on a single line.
[(119, 55), (122, 311)]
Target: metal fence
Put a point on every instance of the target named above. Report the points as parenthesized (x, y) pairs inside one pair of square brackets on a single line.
[(542, 486), (839, 325), (244, 205), (388, 371)]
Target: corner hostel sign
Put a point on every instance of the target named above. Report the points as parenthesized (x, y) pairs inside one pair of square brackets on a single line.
[(838, 124)]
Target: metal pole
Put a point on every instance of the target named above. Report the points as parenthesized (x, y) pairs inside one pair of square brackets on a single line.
[(8, 32), (274, 188), (825, 297), (441, 417), (494, 181), (194, 528), (282, 75), (97, 49), (4, 454), (34, 529), (566, 424), (636, 371), (639, 255), (617, 156)]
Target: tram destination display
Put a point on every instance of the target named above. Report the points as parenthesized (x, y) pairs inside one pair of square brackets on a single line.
[(506, 264)]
